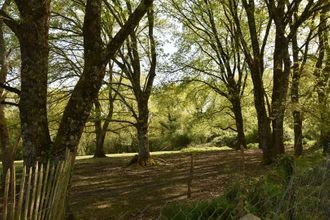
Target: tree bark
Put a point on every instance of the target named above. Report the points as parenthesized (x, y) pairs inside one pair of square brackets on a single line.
[(6, 148), (32, 32), (255, 61), (100, 135), (281, 73), (143, 142), (323, 76), (237, 109), (297, 118)]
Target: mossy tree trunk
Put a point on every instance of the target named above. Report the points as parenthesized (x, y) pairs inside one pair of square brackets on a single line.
[(322, 72), (142, 130), (32, 33)]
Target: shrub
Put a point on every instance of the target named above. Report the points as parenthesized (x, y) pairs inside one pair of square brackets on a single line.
[(180, 141), (252, 136), (230, 141)]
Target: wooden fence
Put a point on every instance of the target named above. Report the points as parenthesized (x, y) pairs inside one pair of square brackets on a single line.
[(41, 194)]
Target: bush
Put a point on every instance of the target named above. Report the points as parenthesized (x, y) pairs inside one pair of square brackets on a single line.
[(252, 136), (230, 141), (180, 141)]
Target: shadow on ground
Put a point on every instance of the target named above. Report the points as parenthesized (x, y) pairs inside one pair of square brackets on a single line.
[(103, 189)]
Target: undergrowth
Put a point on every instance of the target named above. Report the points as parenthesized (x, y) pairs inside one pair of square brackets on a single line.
[(293, 189)]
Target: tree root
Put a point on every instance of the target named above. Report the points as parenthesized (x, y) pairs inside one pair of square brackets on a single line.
[(144, 162)]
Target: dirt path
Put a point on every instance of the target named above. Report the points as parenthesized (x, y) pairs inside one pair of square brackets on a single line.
[(102, 189)]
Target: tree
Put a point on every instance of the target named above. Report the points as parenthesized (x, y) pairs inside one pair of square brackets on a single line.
[(300, 58), (130, 61), (281, 12), (5, 145), (216, 58), (322, 72), (101, 130), (254, 55), (32, 33)]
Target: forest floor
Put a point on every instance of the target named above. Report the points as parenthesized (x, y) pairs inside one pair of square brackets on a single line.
[(105, 189)]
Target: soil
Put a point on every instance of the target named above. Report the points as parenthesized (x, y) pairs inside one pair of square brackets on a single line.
[(105, 189)]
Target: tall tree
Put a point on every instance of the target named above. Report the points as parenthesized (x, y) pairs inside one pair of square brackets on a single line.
[(282, 12), (32, 33), (322, 72), (5, 146), (220, 65), (102, 123), (300, 58), (130, 62), (270, 124), (254, 55)]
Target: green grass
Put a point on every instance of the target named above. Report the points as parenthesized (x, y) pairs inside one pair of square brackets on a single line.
[(268, 196), (197, 149)]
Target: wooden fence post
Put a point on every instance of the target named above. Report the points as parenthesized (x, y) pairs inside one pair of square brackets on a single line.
[(190, 177)]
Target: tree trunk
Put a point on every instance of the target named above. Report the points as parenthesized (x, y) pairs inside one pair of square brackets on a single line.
[(237, 109), (100, 135), (143, 143), (281, 75), (264, 128), (6, 148), (297, 119), (323, 89), (142, 131), (33, 37), (7, 151), (256, 66)]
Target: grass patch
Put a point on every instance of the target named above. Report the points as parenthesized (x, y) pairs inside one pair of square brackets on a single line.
[(293, 189), (197, 149)]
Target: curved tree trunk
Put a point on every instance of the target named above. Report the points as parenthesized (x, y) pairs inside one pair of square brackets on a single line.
[(264, 126)]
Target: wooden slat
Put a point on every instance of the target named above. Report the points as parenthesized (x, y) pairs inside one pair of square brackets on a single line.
[(5, 197), (13, 185), (40, 182), (49, 190), (43, 193), (51, 198), (28, 192), (21, 195), (34, 185)]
